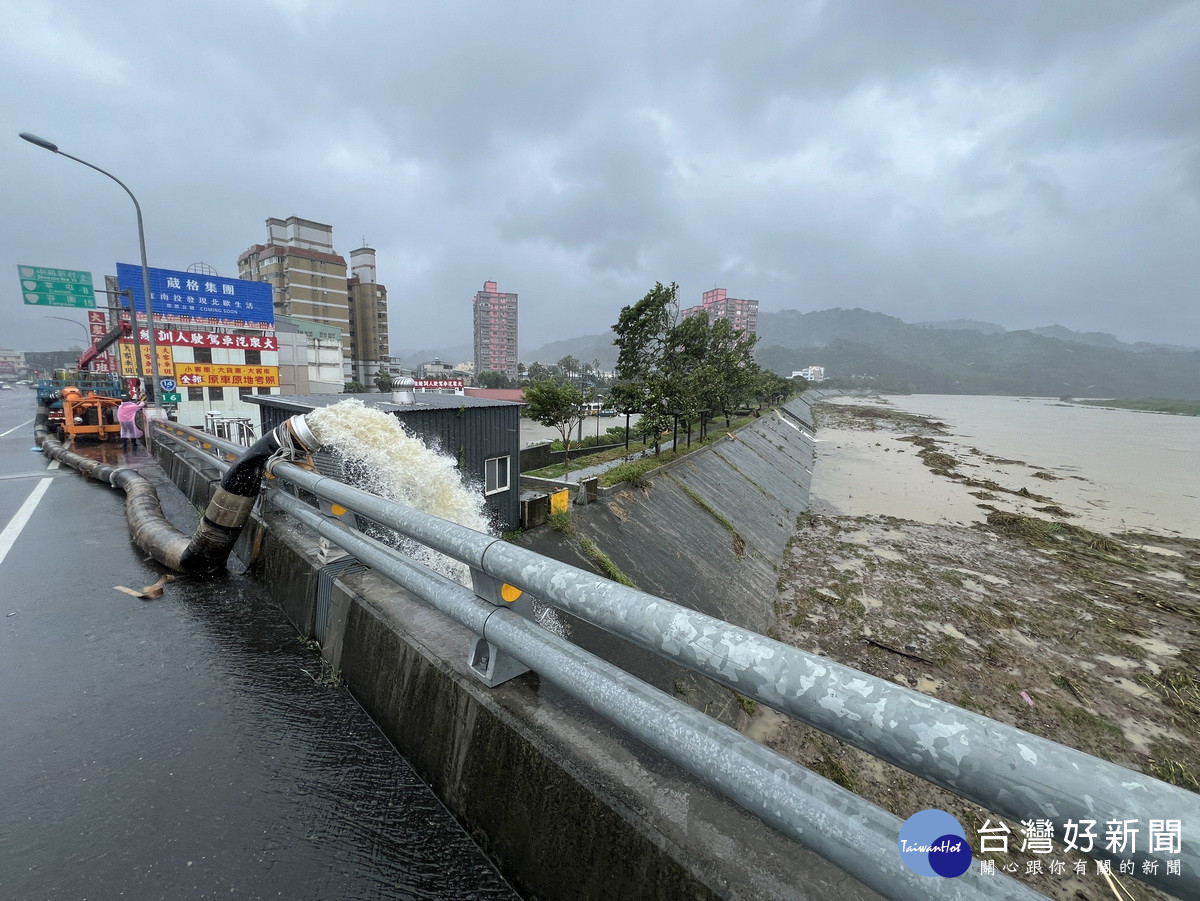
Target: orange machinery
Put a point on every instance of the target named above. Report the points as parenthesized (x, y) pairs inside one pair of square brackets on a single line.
[(93, 415)]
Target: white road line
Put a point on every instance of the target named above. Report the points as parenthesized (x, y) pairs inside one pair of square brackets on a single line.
[(14, 428), (9, 536)]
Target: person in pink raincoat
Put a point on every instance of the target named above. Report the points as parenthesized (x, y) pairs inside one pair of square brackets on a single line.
[(127, 417)]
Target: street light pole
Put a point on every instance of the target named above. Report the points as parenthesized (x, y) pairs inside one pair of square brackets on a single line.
[(53, 148), (78, 323)]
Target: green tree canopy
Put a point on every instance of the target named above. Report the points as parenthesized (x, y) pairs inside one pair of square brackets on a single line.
[(491, 379), (691, 369), (555, 404)]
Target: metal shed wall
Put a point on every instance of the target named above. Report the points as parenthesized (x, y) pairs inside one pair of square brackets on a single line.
[(468, 433)]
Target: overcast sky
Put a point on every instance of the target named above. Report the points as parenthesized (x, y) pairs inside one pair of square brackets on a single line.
[(1025, 163)]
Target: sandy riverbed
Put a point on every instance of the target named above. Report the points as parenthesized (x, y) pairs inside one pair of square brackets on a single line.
[(945, 567)]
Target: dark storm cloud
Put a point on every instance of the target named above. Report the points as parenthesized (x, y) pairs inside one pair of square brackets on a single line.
[(1026, 162)]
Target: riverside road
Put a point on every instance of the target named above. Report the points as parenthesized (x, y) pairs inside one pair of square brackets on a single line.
[(189, 746)]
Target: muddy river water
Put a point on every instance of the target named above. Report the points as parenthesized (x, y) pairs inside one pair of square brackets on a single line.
[(1113, 470)]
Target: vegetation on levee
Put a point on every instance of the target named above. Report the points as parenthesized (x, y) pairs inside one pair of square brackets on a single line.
[(1147, 405), (604, 563), (635, 469)]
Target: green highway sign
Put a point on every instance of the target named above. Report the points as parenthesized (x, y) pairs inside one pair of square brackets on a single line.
[(43, 286), (171, 397)]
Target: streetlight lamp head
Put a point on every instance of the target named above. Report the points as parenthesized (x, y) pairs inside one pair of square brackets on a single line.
[(41, 142)]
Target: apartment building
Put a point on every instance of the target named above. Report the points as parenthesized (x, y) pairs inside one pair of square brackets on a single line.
[(742, 314), (311, 284), (369, 340), (495, 329)]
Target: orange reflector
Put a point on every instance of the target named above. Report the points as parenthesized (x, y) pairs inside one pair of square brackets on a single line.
[(510, 592), (337, 509)]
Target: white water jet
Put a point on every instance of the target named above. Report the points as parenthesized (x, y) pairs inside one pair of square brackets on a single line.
[(382, 458), (378, 455)]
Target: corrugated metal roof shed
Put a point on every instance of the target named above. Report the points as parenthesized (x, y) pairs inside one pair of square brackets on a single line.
[(471, 430)]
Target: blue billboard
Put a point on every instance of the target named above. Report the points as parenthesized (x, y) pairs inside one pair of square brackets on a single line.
[(193, 295)]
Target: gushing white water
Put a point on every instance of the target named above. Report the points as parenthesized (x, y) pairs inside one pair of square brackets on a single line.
[(379, 456)]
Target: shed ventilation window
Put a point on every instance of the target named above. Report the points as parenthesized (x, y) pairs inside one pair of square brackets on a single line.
[(495, 474)]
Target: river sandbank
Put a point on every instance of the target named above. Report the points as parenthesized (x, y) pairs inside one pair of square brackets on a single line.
[(994, 584)]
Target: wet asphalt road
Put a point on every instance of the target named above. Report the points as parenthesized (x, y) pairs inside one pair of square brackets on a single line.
[(184, 747)]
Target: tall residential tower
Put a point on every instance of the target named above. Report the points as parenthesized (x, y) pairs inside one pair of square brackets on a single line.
[(495, 316), (311, 285), (742, 314)]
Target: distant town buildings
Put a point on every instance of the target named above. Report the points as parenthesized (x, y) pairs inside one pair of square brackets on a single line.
[(742, 314), (311, 284), (495, 318), (810, 373)]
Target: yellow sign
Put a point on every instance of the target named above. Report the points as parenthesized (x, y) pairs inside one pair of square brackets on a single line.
[(128, 363), (221, 375)]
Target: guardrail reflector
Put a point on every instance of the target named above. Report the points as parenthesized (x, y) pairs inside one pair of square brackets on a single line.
[(510, 592)]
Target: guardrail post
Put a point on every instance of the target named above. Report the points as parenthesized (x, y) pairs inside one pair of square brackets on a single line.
[(490, 664)]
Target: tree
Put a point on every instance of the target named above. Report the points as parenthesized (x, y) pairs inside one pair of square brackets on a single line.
[(686, 370), (641, 335), (383, 380), (355, 388), (570, 368), (557, 405), (492, 379)]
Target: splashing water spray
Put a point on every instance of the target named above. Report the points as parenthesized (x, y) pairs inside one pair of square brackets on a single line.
[(379, 456)]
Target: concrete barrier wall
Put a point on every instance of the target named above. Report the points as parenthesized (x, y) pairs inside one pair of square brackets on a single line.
[(566, 805)]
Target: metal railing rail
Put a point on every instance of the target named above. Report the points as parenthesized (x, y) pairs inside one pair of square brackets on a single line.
[(1004, 769)]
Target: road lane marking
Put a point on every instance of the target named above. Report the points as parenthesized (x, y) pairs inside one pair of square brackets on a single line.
[(9, 536), (14, 428)]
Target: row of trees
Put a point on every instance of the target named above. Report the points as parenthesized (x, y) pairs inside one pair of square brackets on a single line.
[(669, 371), (586, 376)]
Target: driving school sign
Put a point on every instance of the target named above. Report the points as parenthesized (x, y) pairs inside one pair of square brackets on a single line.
[(193, 295), (217, 375)]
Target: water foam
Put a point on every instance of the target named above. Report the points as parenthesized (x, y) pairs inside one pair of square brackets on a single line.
[(379, 456)]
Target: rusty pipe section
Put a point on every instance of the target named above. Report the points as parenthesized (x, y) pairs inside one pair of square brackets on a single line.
[(206, 550)]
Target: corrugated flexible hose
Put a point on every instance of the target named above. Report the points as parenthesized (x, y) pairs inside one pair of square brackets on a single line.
[(207, 549)]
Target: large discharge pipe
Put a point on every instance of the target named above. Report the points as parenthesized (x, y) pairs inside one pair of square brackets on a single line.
[(206, 550)]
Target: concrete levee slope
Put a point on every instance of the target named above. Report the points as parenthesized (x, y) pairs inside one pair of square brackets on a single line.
[(707, 531), (567, 806)]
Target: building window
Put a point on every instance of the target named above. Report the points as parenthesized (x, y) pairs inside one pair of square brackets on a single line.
[(195, 393), (495, 474), (215, 394), (244, 391), (253, 357), (202, 354)]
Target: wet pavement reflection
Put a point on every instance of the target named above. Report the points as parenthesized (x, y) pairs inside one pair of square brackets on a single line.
[(192, 746)]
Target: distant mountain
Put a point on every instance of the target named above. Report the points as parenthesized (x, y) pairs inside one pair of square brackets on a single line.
[(873, 349), (965, 325), (1096, 339), (960, 356), (451, 354)]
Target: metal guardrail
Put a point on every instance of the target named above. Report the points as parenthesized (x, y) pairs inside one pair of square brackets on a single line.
[(1002, 768)]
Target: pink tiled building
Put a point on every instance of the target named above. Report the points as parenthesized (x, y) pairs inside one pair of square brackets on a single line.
[(742, 314), (495, 316)]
